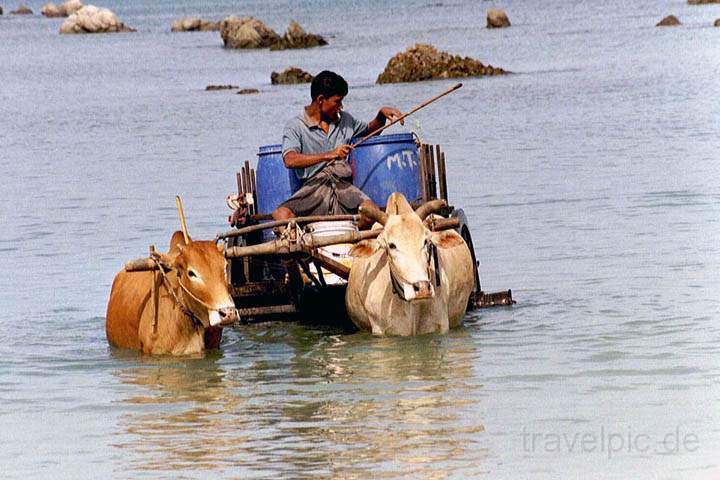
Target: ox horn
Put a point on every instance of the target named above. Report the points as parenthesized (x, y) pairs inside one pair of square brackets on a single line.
[(374, 213), (430, 207), (181, 214)]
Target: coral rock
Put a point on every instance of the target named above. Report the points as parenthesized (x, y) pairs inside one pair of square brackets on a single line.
[(64, 10), (497, 18), (425, 62), (91, 19), (194, 24), (210, 88), (296, 37), (246, 32), (23, 10), (669, 21), (289, 76)]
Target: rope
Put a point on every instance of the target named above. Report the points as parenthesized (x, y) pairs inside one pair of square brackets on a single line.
[(178, 303)]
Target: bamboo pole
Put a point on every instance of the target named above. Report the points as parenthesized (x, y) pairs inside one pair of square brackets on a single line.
[(403, 116), (309, 243), (280, 223)]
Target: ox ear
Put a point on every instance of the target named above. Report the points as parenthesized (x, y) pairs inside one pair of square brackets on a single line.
[(446, 239), (177, 239), (364, 248)]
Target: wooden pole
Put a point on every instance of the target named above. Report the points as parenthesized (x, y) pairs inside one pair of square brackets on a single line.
[(432, 187), (442, 177), (310, 243), (423, 173), (282, 246), (282, 223), (402, 117), (253, 207), (181, 213)]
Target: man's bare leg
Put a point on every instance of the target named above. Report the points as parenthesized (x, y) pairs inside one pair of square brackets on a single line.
[(282, 213), (365, 223)]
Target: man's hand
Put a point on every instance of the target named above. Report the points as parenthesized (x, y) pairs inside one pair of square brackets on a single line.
[(341, 151), (389, 113)]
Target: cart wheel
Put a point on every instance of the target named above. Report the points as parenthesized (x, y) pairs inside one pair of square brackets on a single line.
[(464, 232)]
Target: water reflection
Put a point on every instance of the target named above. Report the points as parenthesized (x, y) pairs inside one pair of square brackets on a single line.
[(290, 399), (178, 418)]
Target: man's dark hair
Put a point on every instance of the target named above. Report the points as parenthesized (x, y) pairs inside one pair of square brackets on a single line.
[(327, 84)]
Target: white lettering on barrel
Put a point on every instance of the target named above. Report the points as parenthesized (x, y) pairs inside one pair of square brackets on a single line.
[(405, 158)]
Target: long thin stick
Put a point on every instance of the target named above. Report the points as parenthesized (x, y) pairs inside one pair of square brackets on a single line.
[(178, 204), (402, 117)]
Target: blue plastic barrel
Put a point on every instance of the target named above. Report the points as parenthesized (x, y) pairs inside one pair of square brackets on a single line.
[(275, 183), (387, 164)]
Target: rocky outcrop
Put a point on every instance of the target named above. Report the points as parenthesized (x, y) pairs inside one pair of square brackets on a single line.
[(22, 10), (92, 19), (211, 88), (425, 62), (497, 18), (296, 37), (63, 10), (717, 22), (248, 91), (194, 24), (246, 32), (702, 2), (289, 76), (669, 21)]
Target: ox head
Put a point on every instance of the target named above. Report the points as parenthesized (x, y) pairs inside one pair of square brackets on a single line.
[(407, 242), (201, 270)]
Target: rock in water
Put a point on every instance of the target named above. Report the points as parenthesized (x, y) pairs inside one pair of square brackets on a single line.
[(497, 18), (717, 22), (425, 62), (702, 2), (246, 32), (64, 10), (51, 10), (22, 10), (91, 19), (1, 11), (194, 24), (669, 21), (296, 37), (211, 88), (289, 76), (248, 91)]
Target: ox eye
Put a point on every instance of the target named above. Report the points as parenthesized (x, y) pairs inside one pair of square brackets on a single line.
[(392, 246)]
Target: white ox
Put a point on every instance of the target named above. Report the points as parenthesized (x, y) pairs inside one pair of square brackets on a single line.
[(392, 286)]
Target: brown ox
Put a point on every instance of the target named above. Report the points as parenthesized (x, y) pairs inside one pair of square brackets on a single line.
[(391, 289), (187, 320)]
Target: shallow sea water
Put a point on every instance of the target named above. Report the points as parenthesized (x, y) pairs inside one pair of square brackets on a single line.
[(590, 178)]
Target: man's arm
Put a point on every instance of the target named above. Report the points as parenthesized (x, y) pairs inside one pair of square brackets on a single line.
[(385, 114), (293, 159)]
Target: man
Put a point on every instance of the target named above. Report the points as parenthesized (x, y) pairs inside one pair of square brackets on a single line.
[(316, 145)]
